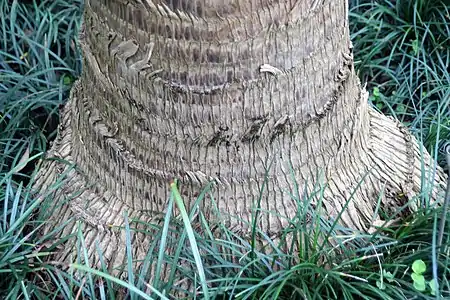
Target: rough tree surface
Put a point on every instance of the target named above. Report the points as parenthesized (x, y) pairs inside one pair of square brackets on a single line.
[(205, 90)]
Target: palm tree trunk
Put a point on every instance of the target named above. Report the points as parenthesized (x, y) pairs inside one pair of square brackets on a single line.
[(216, 91)]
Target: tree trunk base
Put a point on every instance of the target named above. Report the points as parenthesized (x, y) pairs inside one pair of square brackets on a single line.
[(393, 164)]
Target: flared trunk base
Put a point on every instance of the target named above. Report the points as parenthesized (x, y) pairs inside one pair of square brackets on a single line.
[(392, 167)]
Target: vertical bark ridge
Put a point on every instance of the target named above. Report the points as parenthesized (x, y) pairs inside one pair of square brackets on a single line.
[(402, 162)]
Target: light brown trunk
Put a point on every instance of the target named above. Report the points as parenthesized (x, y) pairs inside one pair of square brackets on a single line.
[(217, 91)]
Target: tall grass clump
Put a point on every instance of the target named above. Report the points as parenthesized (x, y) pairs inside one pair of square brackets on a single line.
[(402, 52), (312, 258), (38, 63)]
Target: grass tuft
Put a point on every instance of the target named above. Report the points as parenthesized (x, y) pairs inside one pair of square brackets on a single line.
[(402, 52)]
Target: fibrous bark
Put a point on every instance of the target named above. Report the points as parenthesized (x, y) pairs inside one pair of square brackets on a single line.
[(215, 91)]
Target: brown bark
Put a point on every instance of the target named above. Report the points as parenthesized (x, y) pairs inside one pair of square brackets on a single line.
[(213, 91)]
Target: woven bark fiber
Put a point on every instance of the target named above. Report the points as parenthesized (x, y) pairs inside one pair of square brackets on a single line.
[(212, 91)]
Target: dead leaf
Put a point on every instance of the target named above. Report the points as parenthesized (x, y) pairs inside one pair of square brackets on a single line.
[(23, 160)]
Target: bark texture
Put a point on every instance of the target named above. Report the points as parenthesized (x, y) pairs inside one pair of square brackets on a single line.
[(205, 90)]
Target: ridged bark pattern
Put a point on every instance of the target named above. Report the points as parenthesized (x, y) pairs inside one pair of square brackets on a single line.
[(218, 91)]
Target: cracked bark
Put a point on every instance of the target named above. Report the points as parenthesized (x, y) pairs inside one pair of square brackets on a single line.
[(212, 91)]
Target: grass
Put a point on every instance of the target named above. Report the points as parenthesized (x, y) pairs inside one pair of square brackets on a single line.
[(38, 62), (401, 51)]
